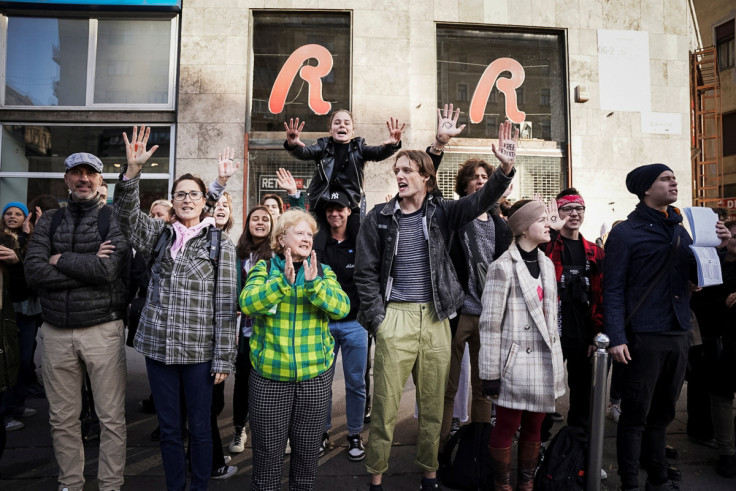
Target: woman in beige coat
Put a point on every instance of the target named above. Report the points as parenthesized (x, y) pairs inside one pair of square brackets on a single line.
[(520, 357)]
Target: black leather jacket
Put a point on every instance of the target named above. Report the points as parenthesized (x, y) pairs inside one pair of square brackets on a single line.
[(377, 240), (348, 177)]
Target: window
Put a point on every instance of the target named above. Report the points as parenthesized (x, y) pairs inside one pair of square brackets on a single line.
[(33, 159), (541, 52), (276, 35), (725, 45), (462, 92), (729, 130), (90, 63), (544, 96)]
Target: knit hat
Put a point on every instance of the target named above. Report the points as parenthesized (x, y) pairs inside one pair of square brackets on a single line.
[(524, 217), (16, 204), (639, 180)]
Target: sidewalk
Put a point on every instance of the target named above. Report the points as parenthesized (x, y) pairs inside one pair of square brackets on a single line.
[(28, 463)]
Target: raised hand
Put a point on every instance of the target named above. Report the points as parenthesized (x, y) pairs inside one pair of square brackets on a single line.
[(310, 267), (226, 167), (394, 132), (555, 221), (506, 151), (106, 249), (285, 181), (447, 123), (289, 267), (293, 130), (135, 150), (27, 224)]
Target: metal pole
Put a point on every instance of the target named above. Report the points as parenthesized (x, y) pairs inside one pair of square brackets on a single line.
[(597, 414)]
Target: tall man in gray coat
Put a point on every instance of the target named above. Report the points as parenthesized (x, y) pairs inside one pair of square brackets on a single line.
[(75, 262)]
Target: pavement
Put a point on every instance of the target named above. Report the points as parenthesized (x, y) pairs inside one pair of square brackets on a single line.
[(28, 463)]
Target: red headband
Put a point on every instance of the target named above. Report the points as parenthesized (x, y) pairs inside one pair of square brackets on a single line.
[(570, 198)]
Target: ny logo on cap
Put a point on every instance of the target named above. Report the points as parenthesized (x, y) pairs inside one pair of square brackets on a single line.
[(335, 196)]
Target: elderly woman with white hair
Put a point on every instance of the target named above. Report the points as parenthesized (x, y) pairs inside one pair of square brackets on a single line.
[(291, 299)]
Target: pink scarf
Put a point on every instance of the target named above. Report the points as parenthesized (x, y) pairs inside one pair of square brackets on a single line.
[(183, 234)]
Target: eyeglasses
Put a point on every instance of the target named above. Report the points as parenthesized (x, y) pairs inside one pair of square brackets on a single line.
[(194, 195), (570, 209)]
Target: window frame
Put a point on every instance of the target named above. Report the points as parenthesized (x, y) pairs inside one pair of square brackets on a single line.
[(110, 177), (93, 25)]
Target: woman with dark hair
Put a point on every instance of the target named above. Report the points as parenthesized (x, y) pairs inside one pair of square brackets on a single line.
[(254, 245), (520, 357), (187, 327)]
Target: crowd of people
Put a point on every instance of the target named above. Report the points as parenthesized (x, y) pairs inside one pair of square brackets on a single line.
[(446, 289)]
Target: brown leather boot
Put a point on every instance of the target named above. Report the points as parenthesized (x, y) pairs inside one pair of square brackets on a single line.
[(501, 463), (528, 462)]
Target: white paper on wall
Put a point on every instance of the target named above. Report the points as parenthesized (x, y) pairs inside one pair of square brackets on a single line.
[(661, 123), (623, 70)]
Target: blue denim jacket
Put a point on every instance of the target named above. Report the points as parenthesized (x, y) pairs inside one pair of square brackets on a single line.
[(636, 250)]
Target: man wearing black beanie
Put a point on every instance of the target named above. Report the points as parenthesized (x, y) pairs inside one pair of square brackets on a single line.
[(647, 318)]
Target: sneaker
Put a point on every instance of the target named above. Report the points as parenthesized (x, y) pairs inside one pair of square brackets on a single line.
[(288, 448), (356, 452), (26, 413), (604, 474), (239, 439), (367, 415), (13, 424), (224, 472), (557, 417), (324, 444), (613, 412), (670, 452), (454, 426), (227, 459)]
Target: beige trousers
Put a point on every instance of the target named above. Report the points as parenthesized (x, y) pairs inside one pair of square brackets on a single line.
[(67, 353)]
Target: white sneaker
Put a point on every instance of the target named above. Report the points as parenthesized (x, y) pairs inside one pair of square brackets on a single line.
[(224, 472), (604, 475), (13, 424), (27, 413), (239, 439), (227, 459), (613, 412)]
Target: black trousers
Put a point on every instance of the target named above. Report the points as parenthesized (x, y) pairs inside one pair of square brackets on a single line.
[(650, 387), (241, 389), (579, 379)]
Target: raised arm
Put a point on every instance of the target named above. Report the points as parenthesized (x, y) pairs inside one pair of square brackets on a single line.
[(286, 181), (293, 131), (394, 132), (447, 128)]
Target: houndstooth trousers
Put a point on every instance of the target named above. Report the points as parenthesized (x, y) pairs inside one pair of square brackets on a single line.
[(281, 410)]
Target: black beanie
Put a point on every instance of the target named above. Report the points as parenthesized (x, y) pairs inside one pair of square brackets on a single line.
[(639, 180)]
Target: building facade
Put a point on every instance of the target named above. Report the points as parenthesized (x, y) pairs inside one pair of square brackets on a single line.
[(598, 87)]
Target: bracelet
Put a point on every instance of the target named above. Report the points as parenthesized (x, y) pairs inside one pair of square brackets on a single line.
[(437, 137), (437, 149)]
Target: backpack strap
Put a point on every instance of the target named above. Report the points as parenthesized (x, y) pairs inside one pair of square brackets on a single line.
[(55, 222), (214, 235), (158, 255)]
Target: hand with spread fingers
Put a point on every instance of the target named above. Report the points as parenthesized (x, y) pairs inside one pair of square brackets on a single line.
[(286, 181), (310, 267), (289, 271), (555, 221), (135, 150), (226, 166), (394, 132), (293, 130), (506, 151)]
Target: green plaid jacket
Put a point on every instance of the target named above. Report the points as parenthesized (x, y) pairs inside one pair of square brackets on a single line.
[(178, 326), (291, 338)]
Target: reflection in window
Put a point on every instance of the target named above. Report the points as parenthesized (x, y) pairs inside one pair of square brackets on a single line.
[(725, 45), (462, 92), (46, 62), (132, 63), (463, 54), (275, 37), (32, 150)]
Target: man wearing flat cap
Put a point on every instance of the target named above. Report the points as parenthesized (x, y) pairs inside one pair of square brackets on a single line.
[(646, 309), (75, 261)]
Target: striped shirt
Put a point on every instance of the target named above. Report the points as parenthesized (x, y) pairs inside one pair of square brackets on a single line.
[(410, 271)]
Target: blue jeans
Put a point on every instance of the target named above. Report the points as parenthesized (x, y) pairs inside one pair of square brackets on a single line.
[(352, 338), (196, 381)]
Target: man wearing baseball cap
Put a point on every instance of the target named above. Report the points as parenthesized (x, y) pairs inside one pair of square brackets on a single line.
[(75, 261), (336, 248), (646, 311)]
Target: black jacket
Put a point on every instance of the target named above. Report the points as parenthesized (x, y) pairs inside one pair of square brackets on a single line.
[(341, 258), (379, 235), (83, 289), (348, 177)]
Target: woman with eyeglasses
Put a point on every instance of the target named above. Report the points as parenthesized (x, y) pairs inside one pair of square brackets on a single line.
[(187, 327)]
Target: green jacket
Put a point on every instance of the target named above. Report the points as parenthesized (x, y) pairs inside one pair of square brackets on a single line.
[(291, 338)]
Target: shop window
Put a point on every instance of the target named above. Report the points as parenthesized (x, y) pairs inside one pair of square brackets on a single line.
[(276, 35), (541, 53), (462, 92), (33, 159), (91, 63), (725, 45)]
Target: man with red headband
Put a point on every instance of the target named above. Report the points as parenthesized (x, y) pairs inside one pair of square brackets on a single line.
[(579, 268)]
